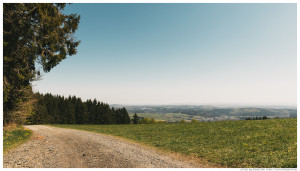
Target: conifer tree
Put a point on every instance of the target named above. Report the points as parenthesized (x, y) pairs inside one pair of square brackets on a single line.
[(33, 34), (135, 118)]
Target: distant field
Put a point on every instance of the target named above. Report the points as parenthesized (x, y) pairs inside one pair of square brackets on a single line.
[(256, 143), (168, 117), (174, 113), (177, 117)]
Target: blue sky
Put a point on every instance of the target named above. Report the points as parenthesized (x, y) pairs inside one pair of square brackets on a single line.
[(181, 54)]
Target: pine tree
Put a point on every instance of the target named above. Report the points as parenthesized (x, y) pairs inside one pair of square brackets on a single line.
[(125, 116), (33, 33), (98, 114), (135, 118)]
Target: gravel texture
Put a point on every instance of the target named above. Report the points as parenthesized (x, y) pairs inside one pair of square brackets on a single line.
[(52, 147)]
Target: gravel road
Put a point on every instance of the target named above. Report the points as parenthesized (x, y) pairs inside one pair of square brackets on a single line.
[(52, 147)]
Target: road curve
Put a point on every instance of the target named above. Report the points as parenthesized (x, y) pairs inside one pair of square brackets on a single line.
[(52, 147)]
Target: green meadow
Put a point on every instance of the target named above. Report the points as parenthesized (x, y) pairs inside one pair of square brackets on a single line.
[(254, 143)]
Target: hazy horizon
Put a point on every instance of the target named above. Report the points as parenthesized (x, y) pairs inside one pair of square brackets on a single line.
[(241, 54), (209, 104)]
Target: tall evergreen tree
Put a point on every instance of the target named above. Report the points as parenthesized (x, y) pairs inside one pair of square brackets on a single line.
[(135, 118), (125, 116), (33, 34)]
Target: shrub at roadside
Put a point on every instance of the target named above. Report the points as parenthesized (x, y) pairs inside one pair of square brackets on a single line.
[(13, 136)]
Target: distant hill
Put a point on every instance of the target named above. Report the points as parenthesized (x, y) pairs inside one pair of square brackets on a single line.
[(173, 113)]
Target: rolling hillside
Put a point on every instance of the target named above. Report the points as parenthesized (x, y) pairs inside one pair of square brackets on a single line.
[(175, 113)]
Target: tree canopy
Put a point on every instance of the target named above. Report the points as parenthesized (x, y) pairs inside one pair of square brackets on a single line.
[(36, 36)]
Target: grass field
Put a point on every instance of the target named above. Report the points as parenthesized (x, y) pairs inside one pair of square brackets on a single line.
[(14, 136), (256, 143)]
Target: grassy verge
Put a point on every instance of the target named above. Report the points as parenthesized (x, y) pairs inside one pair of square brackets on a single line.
[(13, 136), (255, 143)]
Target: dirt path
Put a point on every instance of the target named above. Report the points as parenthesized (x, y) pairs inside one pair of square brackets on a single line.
[(66, 148)]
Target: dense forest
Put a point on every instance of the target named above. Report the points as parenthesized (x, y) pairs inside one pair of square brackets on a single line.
[(55, 109)]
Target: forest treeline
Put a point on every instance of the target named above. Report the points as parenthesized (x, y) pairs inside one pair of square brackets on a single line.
[(56, 109)]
